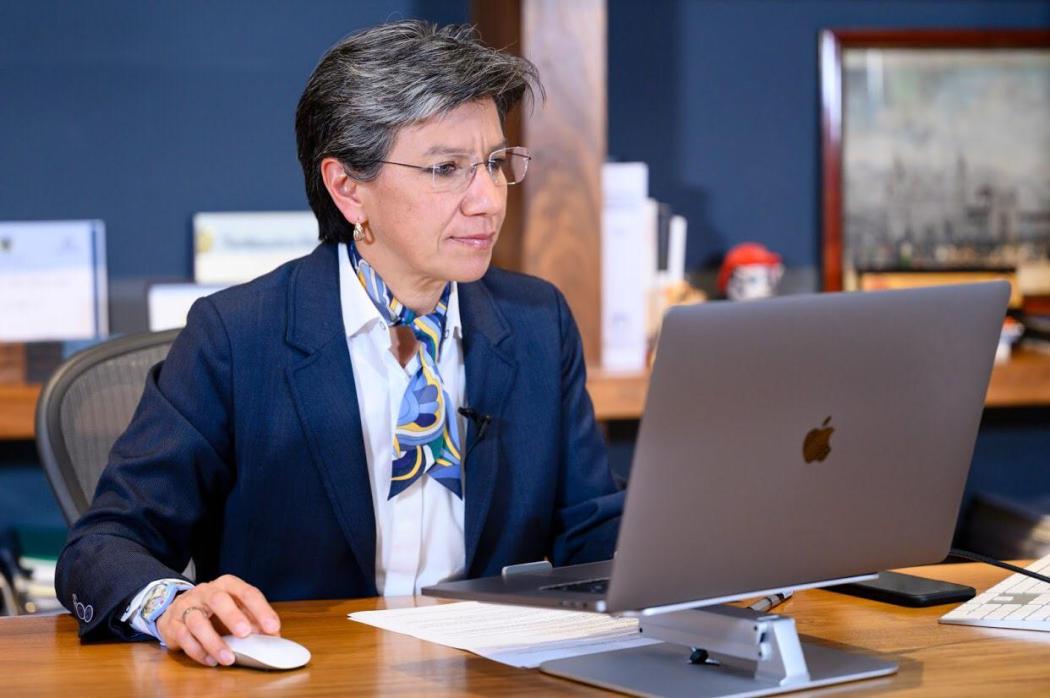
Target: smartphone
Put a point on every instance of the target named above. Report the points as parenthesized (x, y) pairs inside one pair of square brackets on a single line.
[(907, 590)]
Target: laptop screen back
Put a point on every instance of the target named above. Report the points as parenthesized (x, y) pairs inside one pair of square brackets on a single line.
[(802, 439)]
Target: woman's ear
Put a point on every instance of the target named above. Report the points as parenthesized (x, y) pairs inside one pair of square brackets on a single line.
[(344, 190)]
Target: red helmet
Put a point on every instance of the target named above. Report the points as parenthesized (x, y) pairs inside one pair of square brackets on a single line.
[(744, 253)]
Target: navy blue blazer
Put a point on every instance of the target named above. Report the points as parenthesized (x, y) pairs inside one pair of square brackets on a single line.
[(246, 452)]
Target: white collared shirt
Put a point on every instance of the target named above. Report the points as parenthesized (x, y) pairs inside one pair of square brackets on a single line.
[(419, 533)]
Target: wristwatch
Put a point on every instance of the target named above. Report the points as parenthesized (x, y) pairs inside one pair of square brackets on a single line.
[(157, 601)]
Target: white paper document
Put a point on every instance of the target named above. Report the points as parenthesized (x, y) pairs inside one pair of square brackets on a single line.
[(169, 304), (516, 635)]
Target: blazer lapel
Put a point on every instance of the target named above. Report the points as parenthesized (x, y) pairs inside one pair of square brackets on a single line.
[(489, 374), (322, 386)]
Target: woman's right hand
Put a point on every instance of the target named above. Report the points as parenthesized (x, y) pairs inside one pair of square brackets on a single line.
[(195, 621)]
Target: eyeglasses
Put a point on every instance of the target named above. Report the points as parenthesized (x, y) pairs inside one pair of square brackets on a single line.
[(505, 166)]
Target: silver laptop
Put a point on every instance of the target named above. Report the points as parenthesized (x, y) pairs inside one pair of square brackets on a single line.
[(788, 443)]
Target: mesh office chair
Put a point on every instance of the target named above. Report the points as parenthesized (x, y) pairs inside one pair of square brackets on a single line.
[(85, 406)]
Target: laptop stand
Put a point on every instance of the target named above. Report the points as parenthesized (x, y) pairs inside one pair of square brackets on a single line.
[(719, 651)]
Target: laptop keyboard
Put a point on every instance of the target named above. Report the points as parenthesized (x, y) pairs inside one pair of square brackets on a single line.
[(1018, 602), (588, 586)]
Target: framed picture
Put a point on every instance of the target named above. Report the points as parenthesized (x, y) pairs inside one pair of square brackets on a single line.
[(936, 155)]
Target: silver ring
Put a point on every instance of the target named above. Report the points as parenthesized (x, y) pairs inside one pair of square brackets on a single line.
[(206, 612)]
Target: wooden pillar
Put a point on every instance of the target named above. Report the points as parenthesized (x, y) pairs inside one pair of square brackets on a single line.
[(553, 227)]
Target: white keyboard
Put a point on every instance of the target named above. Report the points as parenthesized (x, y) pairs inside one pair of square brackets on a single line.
[(1018, 602)]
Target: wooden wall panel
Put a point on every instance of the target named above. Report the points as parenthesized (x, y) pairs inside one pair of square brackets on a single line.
[(559, 235), (500, 26)]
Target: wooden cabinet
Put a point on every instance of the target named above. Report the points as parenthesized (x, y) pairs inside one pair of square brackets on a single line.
[(1023, 381), (17, 410)]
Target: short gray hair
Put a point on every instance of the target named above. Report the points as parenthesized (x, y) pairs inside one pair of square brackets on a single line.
[(377, 81)]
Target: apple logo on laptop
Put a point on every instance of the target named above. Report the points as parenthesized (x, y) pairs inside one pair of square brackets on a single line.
[(817, 445)]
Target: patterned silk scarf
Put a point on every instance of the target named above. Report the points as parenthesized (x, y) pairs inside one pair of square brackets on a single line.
[(426, 439)]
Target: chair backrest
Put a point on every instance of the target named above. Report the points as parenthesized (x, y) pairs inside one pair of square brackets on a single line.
[(85, 406)]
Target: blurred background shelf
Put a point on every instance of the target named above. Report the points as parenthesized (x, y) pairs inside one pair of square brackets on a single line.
[(1024, 381), (617, 395)]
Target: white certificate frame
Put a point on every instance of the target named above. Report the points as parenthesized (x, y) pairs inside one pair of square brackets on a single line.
[(53, 283), (237, 246)]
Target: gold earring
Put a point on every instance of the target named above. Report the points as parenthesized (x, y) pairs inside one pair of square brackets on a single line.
[(359, 232)]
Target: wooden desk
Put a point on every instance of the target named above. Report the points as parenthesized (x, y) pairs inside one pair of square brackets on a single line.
[(42, 657)]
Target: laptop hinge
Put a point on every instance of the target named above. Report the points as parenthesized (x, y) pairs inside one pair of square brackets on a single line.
[(538, 567)]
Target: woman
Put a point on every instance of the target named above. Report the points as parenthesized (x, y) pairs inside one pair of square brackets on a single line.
[(380, 415)]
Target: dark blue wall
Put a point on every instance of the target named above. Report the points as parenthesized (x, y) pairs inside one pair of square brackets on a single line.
[(142, 113), (721, 98)]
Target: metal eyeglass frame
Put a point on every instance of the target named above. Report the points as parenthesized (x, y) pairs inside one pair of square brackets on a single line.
[(513, 151)]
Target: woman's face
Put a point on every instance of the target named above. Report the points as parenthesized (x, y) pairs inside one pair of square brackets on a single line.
[(424, 237)]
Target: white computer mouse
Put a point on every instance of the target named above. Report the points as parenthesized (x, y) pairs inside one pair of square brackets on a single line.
[(267, 652)]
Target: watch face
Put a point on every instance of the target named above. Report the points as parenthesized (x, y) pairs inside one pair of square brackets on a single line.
[(156, 598)]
